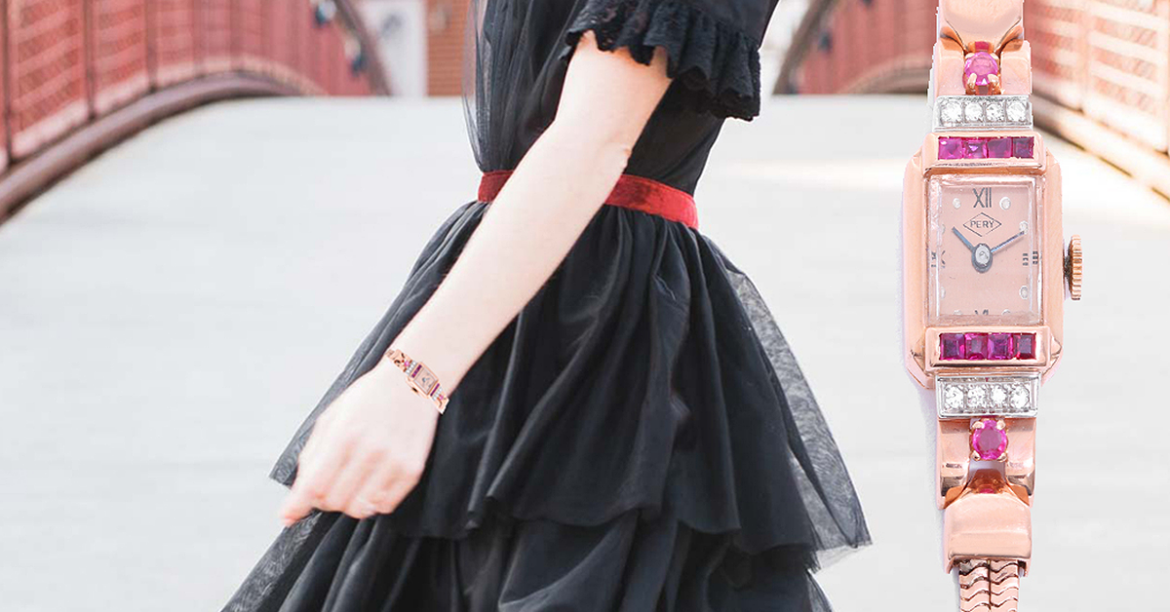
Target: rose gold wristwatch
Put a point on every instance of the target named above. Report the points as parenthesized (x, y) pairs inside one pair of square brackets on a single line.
[(986, 275), (419, 377)]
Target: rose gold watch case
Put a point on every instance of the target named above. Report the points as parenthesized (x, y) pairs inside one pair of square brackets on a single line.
[(921, 343)]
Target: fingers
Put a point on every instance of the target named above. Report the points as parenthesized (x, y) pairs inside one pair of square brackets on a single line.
[(385, 489), (315, 475), (352, 477), (363, 456)]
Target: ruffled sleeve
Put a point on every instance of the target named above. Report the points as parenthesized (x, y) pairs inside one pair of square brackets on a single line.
[(712, 46)]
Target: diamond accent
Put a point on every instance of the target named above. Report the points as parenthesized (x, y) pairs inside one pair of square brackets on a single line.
[(951, 111), (1020, 398), (976, 396), (973, 112), (998, 395), (994, 112), (982, 113), (954, 397), (963, 397), (1017, 111)]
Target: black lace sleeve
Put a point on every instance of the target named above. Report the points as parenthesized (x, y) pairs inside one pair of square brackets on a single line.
[(712, 46)]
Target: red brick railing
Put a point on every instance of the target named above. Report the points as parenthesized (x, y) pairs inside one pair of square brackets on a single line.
[(81, 74), (1101, 68)]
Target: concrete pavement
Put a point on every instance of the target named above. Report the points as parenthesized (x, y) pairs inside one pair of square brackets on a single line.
[(170, 313)]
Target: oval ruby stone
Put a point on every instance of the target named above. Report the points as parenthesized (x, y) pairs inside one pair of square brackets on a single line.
[(982, 65), (988, 441)]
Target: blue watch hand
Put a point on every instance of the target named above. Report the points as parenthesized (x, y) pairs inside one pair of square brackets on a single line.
[(1008, 241), (963, 238)]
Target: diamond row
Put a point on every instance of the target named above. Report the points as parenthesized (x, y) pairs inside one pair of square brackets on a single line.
[(982, 113), (964, 397)]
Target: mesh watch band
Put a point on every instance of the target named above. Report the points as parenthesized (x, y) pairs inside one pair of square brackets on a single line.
[(988, 585)]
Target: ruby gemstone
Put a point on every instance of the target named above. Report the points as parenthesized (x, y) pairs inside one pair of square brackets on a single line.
[(1025, 345), (975, 148), (952, 346), (1000, 346), (999, 148), (1023, 146), (989, 442), (976, 348), (950, 148), (982, 64)]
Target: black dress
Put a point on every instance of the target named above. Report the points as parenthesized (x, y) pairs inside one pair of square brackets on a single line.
[(639, 438)]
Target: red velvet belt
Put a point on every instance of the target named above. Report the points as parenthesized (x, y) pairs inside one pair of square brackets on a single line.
[(636, 192)]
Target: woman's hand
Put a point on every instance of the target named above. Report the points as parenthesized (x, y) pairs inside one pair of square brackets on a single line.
[(367, 450)]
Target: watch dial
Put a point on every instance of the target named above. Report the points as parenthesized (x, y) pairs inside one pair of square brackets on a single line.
[(984, 250)]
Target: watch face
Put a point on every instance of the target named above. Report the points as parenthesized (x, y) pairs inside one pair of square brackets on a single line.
[(983, 250)]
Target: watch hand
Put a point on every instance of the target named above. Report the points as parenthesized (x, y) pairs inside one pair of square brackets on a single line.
[(963, 238), (1007, 242)]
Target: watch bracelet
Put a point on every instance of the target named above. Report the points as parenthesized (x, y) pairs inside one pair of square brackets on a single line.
[(989, 585), (986, 584), (421, 379)]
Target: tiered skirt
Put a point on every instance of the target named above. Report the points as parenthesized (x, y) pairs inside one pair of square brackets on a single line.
[(639, 438)]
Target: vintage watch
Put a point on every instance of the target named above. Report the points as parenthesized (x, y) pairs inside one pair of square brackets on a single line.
[(419, 377), (986, 275)]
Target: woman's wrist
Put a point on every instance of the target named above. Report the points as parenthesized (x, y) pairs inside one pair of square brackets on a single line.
[(394, 382), (408, 367)]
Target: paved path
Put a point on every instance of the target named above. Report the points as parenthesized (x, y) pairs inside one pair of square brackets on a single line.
[(170, 313)]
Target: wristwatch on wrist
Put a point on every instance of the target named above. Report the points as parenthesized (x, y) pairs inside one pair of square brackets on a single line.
[(421, 379), (986, 275)]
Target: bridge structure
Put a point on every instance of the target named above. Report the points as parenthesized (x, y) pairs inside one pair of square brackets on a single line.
[(1101, 68), (170, 311), (79, 75)]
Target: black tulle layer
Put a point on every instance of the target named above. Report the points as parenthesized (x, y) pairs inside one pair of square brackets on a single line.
[(715, 65), (641, 412), (332, 562)]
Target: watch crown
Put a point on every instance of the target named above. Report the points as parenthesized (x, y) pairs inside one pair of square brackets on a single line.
[(1073, 267)]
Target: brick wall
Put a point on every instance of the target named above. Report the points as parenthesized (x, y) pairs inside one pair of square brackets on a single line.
[(446, 20), (70, 62), (46, 51), (1109, 59), (174, 39), (117, 47)]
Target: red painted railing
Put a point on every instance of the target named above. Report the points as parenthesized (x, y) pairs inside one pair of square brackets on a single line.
[(70, 63), (1101, 68)]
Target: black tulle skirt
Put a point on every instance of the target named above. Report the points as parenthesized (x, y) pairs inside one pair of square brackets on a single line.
[(639, 438)]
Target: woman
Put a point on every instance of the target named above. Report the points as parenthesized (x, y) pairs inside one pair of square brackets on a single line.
[(626, 428)]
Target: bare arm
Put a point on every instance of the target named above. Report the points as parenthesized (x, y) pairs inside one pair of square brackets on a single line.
[(557, 188), (368, 448)]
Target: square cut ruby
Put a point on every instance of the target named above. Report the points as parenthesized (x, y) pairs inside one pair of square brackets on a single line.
[(1024, 147), (951, 346), (1000, 346), (999, 148), (950, 148), (975, 148), (1025, 346), (976, 346)]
